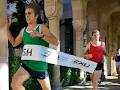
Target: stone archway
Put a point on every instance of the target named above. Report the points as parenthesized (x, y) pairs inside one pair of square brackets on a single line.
[(85, 14), (110, 34)]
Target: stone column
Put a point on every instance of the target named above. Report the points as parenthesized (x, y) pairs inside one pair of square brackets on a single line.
[(3, 34), (92, 15), (114, 26), (3, 48), (114, 48), (109, 49), (79, 24), (103, 25), (53, 11)]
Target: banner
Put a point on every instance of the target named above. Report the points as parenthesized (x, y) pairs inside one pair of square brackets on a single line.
[(41, 53)]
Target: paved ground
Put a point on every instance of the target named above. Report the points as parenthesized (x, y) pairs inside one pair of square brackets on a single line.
[(110, 84)]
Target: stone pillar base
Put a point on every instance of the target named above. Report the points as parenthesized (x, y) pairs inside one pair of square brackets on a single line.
[(4, 81), (119, 77), (57, 88)]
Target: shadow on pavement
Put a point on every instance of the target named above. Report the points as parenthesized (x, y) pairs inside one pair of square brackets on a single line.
[(109, 84)]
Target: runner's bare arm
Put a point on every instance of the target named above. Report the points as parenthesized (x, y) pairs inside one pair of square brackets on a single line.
[(109, 54), (15, 41), (48, 36), (86, 54), (87, 48)]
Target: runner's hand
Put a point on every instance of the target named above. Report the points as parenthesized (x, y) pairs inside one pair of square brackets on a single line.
[(88, 56), (110, 54), (36, 34)]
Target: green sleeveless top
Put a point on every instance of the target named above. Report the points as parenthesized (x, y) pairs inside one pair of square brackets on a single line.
[(28, 40)]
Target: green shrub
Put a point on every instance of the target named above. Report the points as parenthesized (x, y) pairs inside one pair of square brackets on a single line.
[(65, 76), (69, 76)]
